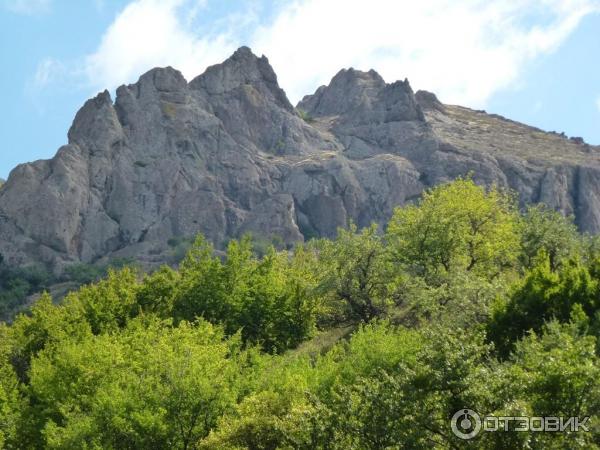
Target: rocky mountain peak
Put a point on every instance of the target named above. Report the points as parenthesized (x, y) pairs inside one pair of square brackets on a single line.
[(96, 124), (428, 100), (163, 79), (361, 97), (348, 89), (227, 154), (159, 83), (241, 70)]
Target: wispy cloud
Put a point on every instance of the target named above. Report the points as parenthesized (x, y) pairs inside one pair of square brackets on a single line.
[(149, 33), (28, 7), (598, 103), (48, 70), (465, 51)]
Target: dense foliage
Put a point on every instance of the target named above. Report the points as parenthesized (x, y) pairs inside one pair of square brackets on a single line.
[(18, 283), (371, 340)]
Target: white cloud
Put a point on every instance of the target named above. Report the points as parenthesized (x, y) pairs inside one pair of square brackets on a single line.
[(28, 7), (598, 103), (462, 50), (465, 51), (48, 71), (150, 33)]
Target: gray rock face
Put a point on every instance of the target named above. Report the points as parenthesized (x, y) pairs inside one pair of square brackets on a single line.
[(227, 154)]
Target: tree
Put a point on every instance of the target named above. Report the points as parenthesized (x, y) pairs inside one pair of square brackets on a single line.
[(149, 386), (457, 299), (541, 296), (456, 226), (553, 373), (108, 304), (399, 388), (545, 230), (356, 274), (297, 402), (157, 292), (203, 288), (11, 400), (269, 299), (46, 326), (278, 309), (205, 356), (16, 283)]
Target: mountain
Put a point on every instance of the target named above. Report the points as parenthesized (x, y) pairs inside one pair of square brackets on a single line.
[(227, 153)]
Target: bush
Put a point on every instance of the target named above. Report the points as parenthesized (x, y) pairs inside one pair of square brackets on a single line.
[(83, 273), (541, 296), (16, 284), (305, 116)]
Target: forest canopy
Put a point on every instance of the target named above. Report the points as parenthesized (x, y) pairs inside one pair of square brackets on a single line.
[(371, 340)]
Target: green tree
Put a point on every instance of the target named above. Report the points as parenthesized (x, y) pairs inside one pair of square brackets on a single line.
[(203, 288), (547, 231), (149, 386), (270, 418), (11, 401), (296, 402), (456, 226), (108, 304), (553, 373), (541, 296), (356, 275), (47, 325), (278, 310), (458, 299), (208, 355), (157, 291), (269, 299), (16, 283)]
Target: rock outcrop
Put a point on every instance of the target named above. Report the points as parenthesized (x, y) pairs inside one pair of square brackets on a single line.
[(227, 154)]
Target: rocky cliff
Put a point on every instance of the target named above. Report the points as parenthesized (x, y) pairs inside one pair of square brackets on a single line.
[(226, 153)]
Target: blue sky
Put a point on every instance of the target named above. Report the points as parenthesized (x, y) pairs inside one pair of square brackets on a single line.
[(533, 61)]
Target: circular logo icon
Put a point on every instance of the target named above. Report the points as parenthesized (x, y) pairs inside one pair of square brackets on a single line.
[(466, 424)]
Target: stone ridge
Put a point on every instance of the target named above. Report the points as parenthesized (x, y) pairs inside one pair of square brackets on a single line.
[(227, 154)]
